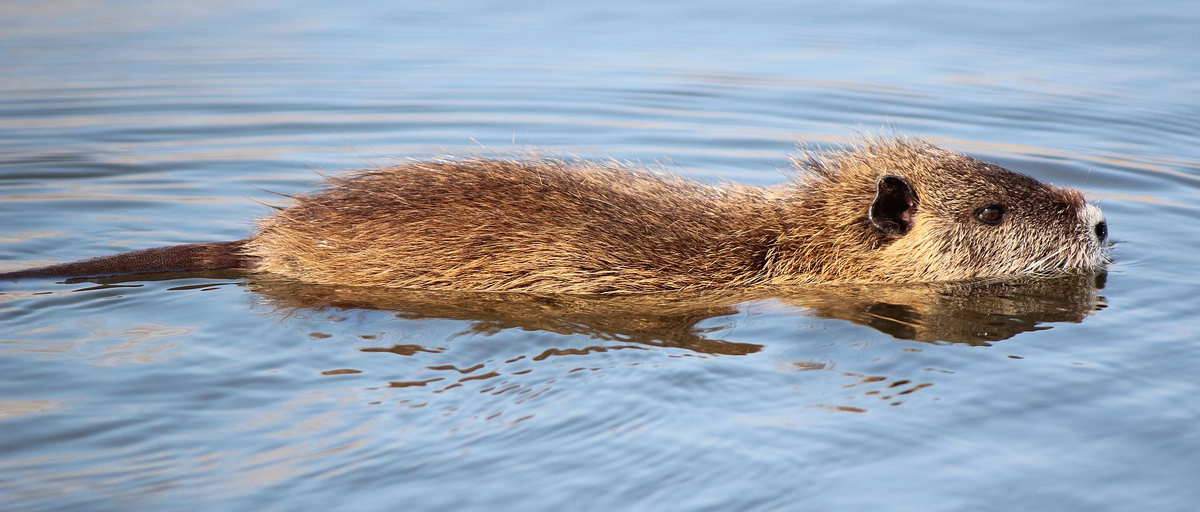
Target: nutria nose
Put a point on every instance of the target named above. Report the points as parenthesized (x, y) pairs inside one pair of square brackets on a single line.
[(1101, 231)]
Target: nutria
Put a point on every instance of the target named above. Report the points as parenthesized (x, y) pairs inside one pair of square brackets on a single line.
[(886, 211)]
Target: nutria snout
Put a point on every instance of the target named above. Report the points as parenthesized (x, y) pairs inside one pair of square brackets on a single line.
[(886, 211)]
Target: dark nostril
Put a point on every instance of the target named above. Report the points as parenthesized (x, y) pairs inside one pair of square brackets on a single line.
[(1102, 231)]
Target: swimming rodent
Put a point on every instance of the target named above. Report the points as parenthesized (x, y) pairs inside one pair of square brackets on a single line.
[(891, 210)]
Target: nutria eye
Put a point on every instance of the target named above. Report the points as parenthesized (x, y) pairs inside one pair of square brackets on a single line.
[(990, 214)]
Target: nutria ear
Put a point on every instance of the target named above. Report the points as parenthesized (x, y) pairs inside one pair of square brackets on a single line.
[(894, 205)]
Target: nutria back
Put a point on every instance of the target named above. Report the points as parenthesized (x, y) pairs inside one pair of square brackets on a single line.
[(886, 211), (529, 225)]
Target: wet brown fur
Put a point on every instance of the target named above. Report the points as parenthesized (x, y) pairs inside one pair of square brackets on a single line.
[(551, 226)]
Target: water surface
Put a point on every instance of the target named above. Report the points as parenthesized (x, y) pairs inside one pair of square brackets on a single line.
[(126, 125)]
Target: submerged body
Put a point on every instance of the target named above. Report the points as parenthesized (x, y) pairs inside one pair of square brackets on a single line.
[(889, 211)]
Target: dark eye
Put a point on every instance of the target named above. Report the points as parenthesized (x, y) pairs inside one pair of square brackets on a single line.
[(992, 214)]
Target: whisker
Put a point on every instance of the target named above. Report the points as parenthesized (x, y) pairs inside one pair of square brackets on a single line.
[(1036, 266)]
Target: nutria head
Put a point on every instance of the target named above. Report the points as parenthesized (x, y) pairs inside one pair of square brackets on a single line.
[(907, 211)]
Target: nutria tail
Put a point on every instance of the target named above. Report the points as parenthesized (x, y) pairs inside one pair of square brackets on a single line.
[(176, 258)]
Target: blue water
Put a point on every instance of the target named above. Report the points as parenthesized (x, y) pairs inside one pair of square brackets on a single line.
[(126, 125)]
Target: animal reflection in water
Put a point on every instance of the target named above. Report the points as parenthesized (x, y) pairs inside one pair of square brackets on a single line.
[(964, 313)]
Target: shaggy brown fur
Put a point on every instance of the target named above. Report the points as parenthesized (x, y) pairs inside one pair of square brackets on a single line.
[(887, 211)]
